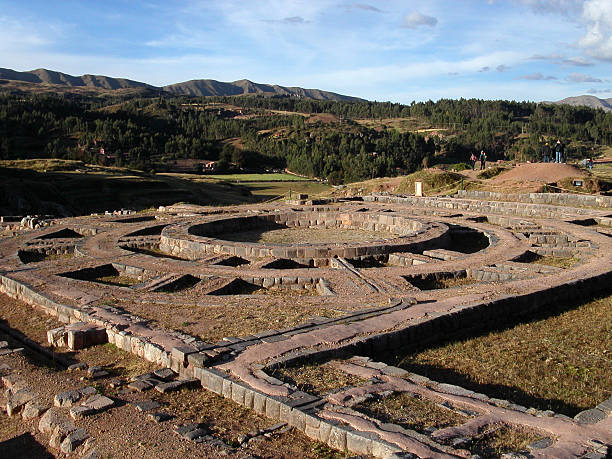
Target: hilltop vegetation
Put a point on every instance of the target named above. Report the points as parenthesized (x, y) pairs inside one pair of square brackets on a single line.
[(339, 141)]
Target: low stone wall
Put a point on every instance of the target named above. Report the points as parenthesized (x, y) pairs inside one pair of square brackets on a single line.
[(558, 199), (485, 207), (197, 242)]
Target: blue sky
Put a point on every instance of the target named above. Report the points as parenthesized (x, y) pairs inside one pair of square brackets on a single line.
[(376, 49)]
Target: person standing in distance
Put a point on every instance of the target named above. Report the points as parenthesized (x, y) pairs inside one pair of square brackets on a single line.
[(483, 159)]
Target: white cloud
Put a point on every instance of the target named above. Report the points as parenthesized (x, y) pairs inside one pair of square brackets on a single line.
[(598, 38), (578, 61), (502, 68), (599, 91), (363, 6), (564, 7), (416, 19), (536, 77), (582, 78)]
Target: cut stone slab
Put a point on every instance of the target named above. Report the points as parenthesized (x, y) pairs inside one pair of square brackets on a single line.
[(140, 386), (176, 385), (16, 400), (165, 374), (33, 409), (78, 412), (146, 405), (98, 403), (55, 419), (73, 440), (67, 399)]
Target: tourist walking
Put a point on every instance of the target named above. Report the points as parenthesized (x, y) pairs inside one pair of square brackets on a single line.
[(473, 160), (483, 160), (559, 152), (546, 153)]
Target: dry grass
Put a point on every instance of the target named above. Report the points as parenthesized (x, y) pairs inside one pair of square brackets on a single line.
[(234, 317), (560, 363), (557, 262), (497, 440), (204, 407), (115, 360), (119, 281), (410, 412), (317, 379)]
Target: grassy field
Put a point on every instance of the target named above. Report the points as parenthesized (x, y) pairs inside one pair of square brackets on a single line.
[(239, 178), (268, 190), (67, 188), (560, 363)]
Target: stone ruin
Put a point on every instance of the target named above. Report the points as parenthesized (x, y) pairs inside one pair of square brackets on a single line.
[(382, 291)]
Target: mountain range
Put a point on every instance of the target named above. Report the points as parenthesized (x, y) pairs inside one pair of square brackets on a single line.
[(52, 80), (588, 101), (188, 88)]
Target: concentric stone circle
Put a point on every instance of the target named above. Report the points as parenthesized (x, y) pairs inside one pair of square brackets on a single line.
[(350, 298)]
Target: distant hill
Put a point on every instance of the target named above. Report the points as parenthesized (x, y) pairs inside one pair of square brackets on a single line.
[(188, 88), (63, 79), (246, 87), (588, 101)]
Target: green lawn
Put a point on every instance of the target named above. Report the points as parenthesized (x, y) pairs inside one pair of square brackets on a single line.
[(257, 177)]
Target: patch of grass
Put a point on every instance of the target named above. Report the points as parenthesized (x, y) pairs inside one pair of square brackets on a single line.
[(490, 172), (259, 177), (119, 281), (317, 379), (410, 412), (434, 182), (115, 360), (557, 262), (589, 184), (497, 440), (561, 363)]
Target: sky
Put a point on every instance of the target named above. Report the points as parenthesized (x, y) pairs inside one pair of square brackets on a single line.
[(385, 50)]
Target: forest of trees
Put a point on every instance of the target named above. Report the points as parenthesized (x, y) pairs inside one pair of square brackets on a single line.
[(144, 132)]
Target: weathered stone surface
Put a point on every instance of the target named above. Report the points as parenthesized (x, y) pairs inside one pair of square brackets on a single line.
[(176, 385), (33, 409), (78, 412), (98, 403), (592, 416), (146, 405), (67, 399), (165, 374), (140, 386), (53, 419), (73, 440), (16, 400)]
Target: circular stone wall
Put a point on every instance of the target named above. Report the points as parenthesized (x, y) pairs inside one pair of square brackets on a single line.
[(396, 234)]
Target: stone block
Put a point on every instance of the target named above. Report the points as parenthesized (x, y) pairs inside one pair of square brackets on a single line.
[(259, 403), (272, 408), (337, 438), (54, 419), (359, 442), (238, 392), (67, 399), (73, 440), (591, 416), (18, 399), (33, 409)]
